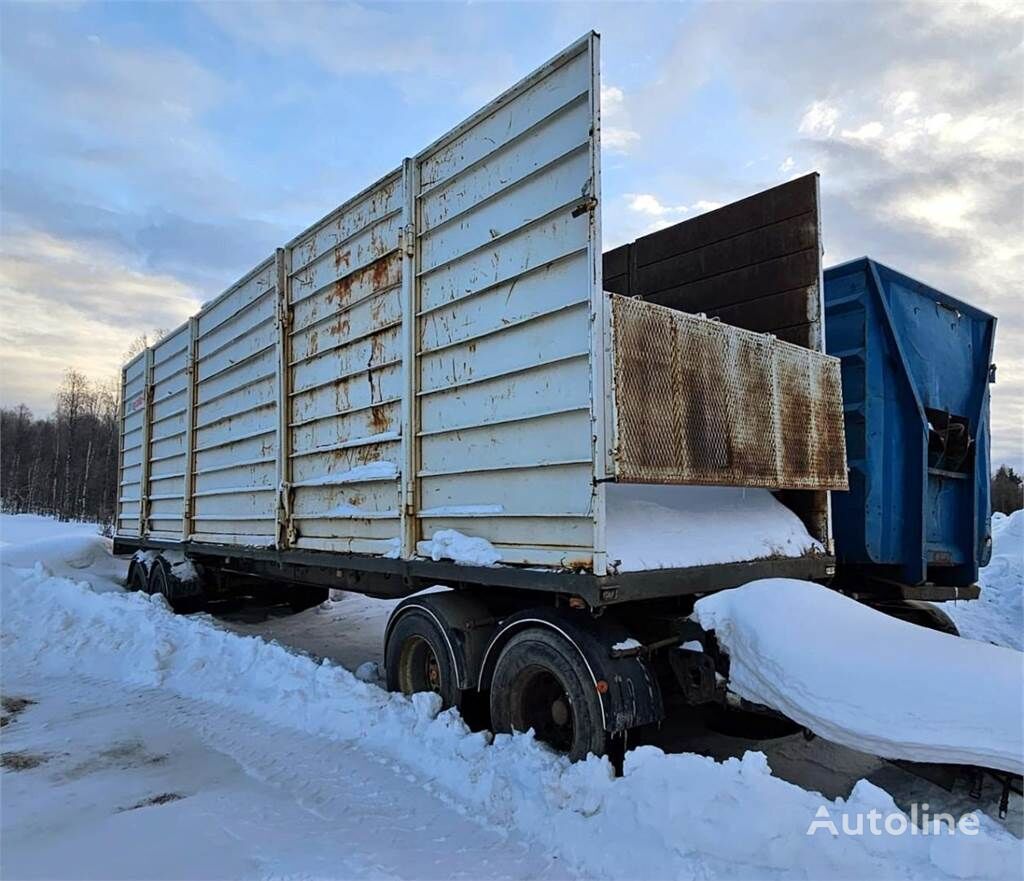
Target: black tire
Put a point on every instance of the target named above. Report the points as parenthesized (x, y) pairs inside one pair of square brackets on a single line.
[(182, 596), (416, 658), (923, 614), (302, 597), (138, 578), (541, 682)]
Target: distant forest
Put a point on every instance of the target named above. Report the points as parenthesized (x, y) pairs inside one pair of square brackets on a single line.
[(65, 465)]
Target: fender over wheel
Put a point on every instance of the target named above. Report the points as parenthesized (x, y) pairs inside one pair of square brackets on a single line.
[(183, 596)]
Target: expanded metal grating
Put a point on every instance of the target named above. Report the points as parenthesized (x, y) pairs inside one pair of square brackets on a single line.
[(702, 402)]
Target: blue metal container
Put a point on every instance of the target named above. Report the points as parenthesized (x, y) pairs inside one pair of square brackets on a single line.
[(916, 365)]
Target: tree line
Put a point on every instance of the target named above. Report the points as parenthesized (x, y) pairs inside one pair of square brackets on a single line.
[(65, 465)]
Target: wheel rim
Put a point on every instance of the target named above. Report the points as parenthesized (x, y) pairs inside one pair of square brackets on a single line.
[(418, 668), (540, 702)]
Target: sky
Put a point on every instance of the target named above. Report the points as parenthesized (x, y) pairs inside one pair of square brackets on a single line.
[(151, 154)]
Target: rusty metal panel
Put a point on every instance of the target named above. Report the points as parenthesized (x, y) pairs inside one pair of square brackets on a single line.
[(234, 444), (345, 366), (698, 401), (505, 240), (168, 434)]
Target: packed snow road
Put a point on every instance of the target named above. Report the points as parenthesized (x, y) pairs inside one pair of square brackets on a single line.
[(179, 749), (141, 783)]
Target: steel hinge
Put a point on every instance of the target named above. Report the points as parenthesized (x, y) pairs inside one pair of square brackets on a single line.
[(589, 205), (408, 243)]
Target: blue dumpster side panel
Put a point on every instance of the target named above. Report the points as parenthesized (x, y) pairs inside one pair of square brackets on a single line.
[(909, 354)]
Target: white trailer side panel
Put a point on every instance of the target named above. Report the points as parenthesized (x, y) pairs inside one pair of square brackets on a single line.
[(168, 427), (504, 285), (345, 363), (236, 420), (430, 343), (133, 415)]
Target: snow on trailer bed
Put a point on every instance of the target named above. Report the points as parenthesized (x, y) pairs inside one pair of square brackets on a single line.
[(675, 527), (868, 681)]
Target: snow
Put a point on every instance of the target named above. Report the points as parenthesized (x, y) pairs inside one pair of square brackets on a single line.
[(290, 766), (627, 644), (450, 510), (22, 528), (997, 616), (874, 683), (185, 571), (379, 470), (660, 527), (450, 544)]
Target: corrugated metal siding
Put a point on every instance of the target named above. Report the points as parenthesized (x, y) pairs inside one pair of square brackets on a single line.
[(133, 420), (346, 376), (168, 427), (433, 339), (503, 337), (236, 423)]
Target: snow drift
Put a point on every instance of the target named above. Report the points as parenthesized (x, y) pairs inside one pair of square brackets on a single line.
[(678, 816), (661, 527), (997, 616), (869, 681)]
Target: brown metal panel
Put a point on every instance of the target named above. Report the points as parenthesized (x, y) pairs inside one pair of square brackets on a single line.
[(615, 271), (698, 401), (755, 264)]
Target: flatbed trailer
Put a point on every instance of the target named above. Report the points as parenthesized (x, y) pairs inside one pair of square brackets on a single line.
[(449, 353)]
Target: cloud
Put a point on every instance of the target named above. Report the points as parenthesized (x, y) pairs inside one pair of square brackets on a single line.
[(70, 304), (343, 38), (616, 134), (645, 203), (819, 120)]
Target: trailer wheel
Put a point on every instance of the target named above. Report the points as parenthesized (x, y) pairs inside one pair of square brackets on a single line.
[(137, 579), (542, 683), (182, 596), (417, 659)]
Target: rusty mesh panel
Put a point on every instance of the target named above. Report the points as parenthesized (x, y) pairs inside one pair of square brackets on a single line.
[(702, 402)]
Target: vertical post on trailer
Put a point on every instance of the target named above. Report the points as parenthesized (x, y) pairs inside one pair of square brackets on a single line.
[(409, 497), (147, 431), (188, 509), (282, 324), (600, 328)]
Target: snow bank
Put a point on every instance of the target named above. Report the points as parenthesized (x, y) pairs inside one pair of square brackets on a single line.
[(869, 681), (997, 616), (450, 544), (679, 816), (22, 528), (660, 527)]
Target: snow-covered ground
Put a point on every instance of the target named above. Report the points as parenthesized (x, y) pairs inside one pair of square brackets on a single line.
[(997, 616), (165, 746)]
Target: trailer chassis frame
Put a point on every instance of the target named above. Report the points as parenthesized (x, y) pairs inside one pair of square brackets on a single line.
[(396, 578)]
